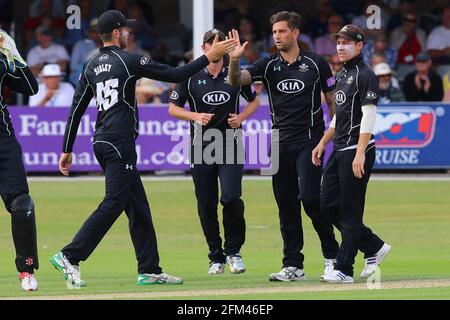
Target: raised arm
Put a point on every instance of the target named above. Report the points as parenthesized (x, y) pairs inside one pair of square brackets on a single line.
[(236, 76), (144, 67)]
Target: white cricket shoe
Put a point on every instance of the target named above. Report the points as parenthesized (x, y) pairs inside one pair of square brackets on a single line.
[(29, 282), (216, 268), (373, 262), (336, 276), (288, 274), (71, 272), (328, 266), (236, 264)]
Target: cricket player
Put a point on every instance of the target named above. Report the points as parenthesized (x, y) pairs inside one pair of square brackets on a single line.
[(294, 80), (111, 76), (348, 170), (14, 191), (214, 108)]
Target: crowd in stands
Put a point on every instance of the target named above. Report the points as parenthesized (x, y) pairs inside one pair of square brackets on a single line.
[(410, 54)]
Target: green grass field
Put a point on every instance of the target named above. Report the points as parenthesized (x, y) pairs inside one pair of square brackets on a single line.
[(414, 217)]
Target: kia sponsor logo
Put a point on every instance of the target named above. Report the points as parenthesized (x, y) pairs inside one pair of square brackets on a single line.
[(215, 98), (290, 86)]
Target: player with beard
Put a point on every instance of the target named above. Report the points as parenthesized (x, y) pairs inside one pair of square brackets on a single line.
[(111, 77), (294, 80)]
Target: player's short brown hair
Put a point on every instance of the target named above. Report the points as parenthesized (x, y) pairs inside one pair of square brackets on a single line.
[(293, 19)]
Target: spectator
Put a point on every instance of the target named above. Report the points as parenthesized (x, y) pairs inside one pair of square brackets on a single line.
[(317, 25), (361, 21), (87, 15), (52, 92), (247, 33), (46, 52), (377, 58), (438, 44), (81, 52), (46, 18), (423, 84), (325, 46), (143, 31), (149, 91), (119, 5), (389, 87), (134, 45), (57, 8), (380, 46), (408, 39), (396, 20), (446, 85)]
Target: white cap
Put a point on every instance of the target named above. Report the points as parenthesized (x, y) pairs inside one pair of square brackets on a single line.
[(52, 70), (382, 69)]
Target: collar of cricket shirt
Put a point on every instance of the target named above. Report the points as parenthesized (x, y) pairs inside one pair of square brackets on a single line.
[(299, 58), (220, 75), (353, 62), (109, 48)]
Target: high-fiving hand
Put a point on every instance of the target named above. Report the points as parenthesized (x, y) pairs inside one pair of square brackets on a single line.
[(220, 48), (239, 49)]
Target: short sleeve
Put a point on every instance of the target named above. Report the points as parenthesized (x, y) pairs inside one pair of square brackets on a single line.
[(247, 93), (327, 79), (258, 68), (180, 94), (368, 88)]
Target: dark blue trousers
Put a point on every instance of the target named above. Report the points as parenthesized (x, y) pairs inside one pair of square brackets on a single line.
[(343, 198), (206, 181), (124, 192), (298, 182)]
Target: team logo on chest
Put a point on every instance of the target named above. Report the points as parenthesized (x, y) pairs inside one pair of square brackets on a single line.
[(290, 86), (350, 80), (215, 98), (340, 97), (303, 67)]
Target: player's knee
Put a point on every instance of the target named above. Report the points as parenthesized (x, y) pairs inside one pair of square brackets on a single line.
[(235, 205), (22, 205), (112, 205)]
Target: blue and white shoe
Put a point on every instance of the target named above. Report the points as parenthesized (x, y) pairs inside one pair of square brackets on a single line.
[(373, 262), (336, 276)]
